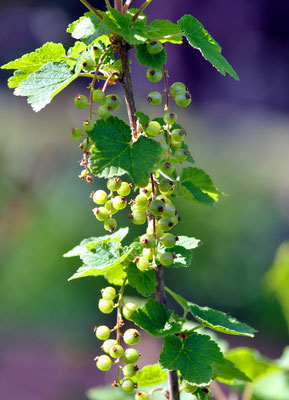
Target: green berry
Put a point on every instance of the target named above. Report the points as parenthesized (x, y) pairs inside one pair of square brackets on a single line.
[(183, 99), (153, 128), (103, 112), (119, 202), (157, 207), (130, 356), (76, 133), (105, 306), (141, 396), (98, 96), (99, 197), (178, 135), (146, 191), (175, 219), (83, 174), (110, 225), (177, 87), (131, 337), (166, 259), (101, 213), (188, 387), (167, 168), (148, 241), (127, 386), (154, 47), (143, 265), (166, 224), (170, 118), (88, 65), (113, 101), (108, 205), (141, 202), (116, 351), (102, 332), (168, 240), (170, 210), (103, 363), (148, 253), (114, 184), (128, 309), (154, 75), (129, 370), (175, 145), (80, 101), (88, 125), (166, 186), (108, 293), (108, 344), (138, 217), (181, 155), (95, 52), (124, 189), (154, 98)]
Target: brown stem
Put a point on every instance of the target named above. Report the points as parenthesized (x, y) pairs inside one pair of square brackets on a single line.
[(126, 5), (118, 5), (217, 391), (248, 392), (92, 9), (139, 11)]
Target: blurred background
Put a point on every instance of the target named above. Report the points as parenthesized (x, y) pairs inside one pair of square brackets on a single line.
[(238, 132)]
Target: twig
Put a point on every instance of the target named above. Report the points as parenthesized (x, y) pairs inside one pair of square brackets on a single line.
[(92, 9), (217, 391), (118, 5), (108, 6), (106, 83), (139, 11), (126, 6)]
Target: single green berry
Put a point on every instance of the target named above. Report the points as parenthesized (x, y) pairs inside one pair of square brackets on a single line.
[(167, 168), (99, 197), (113, 101), (154, 98), (164, 199), (128, 309), (103, 112), (177, 87), (83, 174), (157, 207), (168, 240), (154, 47), (138, 217), (141, 396), (178, 135), (108, 344), (175, 145), (188, 387), (116, 351), (148, 253), (131, 337), (181, 155), (110, 225), (131, 356), (108, 205), (114, 184), (105, 306), (95, 52), (103, 363), (127, 386), (154, 75), (88, 125), (102, 332), (170, 210), (153, 128), (141, 202), (80, 101), (166, 224), (146, 191), (98, 96), (101, 213), (108, 293), (124, 189), (88, 65), (170, 118), (148, 241), (76, 133), (166, 259), (129, 370), (119, 202), (183, 99), (166, 186), (175, 219), (143, 265)]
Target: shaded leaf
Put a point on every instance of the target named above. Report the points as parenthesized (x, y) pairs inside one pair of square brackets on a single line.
[(226, 372), (150, 60), (150, 375), (162, 27), (144, 282), (87, 28)]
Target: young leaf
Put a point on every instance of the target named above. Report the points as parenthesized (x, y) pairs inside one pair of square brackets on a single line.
[(188, 243), (155, 319), (115, 155), (87, 28), (193, 356), (145, 58), (150, 375), (31, 62), (195, 185), (162, 29), (143, 281), (201, 40), (226, 372), (143, 118)]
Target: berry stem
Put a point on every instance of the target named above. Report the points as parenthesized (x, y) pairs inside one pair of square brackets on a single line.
[(126, 6), (108, 6), (167, 107), (106, 83), (118, 5), (139, 11), (92, 9)]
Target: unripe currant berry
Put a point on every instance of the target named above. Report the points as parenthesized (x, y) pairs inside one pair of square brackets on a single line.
[(148, 253), (151, 228), (178, 135), (83, 174), (131, 337), (146, 191), (128, 309), (154, 75), (170, 210), (166, 186), (113, 101), (129, 370), (110, 225), (154, 47), (154, 98), (141, 202), (108, 293), (141, 396), (106, 346), (119, 202), (105, 306), (166, 224), (128, 386), (99, 197), (124, 189), (101, 213), (85, 145), (175, 145), (80, 101), (131, 356), (114, 184), (167, 168), (102, 332), (98, 96), (76, 133), (138, 217), (153, 128), (116, 351), (95, 51), (166, 259), (181, 155), (143, 265), (157, 207), (108, 205), (148, 241), (177, 87), (103, 112), (168, 240), (183, 99), (175, 219), (104, 363), (170, 118), (88, 65), (188, 387)]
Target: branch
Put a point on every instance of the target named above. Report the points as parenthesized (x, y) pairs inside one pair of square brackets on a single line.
[(118, 5), (126, 5), (139, 11), (108, 6), (92, 9)]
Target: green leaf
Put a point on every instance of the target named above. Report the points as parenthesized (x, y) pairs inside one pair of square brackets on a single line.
[(143, 118), (142, 18), (144, 282), (155, 319), (31, 62), (183, 257), (195, 185), (145, 58), (179, 299), (150, 375), (115, 155), (193, 356), (76, 50), (189, 243), (201, 40), (160, 28), (227, 373), (87, 28)]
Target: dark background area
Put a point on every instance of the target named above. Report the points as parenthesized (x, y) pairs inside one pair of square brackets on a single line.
[(238, 134)]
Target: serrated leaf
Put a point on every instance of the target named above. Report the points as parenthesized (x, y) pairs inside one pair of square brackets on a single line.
[(195, 185), (201, 40), (145, 58), (115, 155), (116, 275), (87, 28), (226, 372), (143, 118), (189, 243), (160, 28), (76, 50), (193, 356), (150, 375), (144, 282), (155, 319), (31, 62)]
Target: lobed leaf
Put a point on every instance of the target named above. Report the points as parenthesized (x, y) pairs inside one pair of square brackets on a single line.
[(150, 375), (144, 282), (145, 58), (162, 29), (87, 28)]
